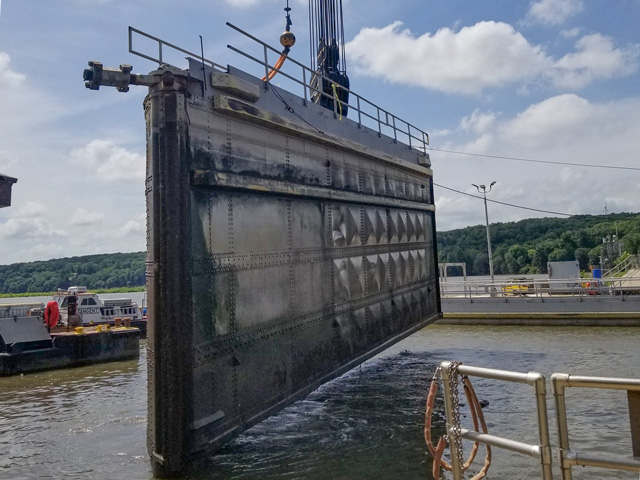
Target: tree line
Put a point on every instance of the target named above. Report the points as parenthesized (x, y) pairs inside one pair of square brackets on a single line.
[(526, 246), (105, 271), (522, 247)]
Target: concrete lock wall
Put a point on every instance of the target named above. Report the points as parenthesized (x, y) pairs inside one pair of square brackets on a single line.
[(279, 256)]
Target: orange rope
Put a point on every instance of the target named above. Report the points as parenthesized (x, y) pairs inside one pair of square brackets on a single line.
[(474, 404), (437, 457), (479, 422), (276, 68)]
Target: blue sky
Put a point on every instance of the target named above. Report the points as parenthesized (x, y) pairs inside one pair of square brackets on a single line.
[(550, 80)]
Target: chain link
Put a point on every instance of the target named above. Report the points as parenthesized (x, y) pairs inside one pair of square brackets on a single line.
[(455, 404)]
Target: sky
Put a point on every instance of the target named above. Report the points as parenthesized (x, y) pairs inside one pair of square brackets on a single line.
[(542, 80)]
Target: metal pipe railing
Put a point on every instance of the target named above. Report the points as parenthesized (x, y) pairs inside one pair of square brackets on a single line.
[(161, 43), (381, 117), (571, 287), (568, 458), (541, 451)]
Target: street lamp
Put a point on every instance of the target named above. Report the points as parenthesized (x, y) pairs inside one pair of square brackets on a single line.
[(482, 189)]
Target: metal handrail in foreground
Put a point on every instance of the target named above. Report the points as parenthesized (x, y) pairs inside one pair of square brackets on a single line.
[(381, 117), (541, 451), (568, 458)]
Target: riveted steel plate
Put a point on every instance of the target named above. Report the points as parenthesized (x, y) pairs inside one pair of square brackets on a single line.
[(280, 255)]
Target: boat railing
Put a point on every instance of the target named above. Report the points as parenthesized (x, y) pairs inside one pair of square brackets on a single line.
[(569, 458), (540, 289), (540, 451), (452, 372)]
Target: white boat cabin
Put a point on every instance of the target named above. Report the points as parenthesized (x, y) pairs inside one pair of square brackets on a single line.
[(92, 309)]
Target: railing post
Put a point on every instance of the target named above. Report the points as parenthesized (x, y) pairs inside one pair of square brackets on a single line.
[(543, 426), (395, 131), (557, 387), (304, 85), (456, 461), (266, 67)]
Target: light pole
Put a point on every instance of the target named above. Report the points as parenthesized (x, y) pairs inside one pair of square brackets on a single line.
[(482, 189)]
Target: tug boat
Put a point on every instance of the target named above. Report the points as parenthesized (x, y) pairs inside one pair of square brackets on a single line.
[(75, 328), (94, 311)]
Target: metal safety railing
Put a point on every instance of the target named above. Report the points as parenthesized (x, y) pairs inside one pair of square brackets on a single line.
[(571, 287), (569, 458), (381, 119), (451, 373), (160, 45), (368, 113), (621, 267), (540, 451)]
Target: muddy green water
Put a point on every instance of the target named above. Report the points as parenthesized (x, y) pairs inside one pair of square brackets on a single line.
[(89, 423)]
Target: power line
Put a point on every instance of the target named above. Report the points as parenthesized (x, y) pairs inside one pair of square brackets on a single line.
[(503, 203), (588, 165)]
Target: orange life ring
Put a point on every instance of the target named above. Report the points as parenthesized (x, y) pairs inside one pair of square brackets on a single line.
[(51, 314)]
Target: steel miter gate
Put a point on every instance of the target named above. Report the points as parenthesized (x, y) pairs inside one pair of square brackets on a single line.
[(286, 244)]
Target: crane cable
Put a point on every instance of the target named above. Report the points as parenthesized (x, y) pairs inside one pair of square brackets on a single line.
[(287, 40)]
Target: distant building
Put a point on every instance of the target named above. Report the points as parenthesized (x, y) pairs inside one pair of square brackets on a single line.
[(6, 183)]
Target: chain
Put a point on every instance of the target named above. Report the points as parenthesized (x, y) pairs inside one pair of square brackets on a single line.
[(455, 401)]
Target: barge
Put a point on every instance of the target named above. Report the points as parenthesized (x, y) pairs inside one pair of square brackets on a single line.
[(27, 346)]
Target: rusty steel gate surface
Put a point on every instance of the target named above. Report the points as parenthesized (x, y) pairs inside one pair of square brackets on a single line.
[(281, 253)]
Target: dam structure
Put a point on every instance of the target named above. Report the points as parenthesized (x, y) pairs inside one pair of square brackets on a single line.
[(287, 243)]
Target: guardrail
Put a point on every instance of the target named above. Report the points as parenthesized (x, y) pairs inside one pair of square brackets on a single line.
[(369, 114), (621, 267), (569, 458), (573, 287), (541, 451), (161, 59), (452, 372), (399, 129)]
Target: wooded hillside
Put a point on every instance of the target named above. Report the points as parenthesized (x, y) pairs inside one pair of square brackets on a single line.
[(522, 247), (94, 271), (526, 246)]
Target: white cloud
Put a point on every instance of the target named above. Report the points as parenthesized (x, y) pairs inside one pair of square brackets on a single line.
[(8, 77), (30, 209), (478, 122), (487, 54), (554, 12), (110, 162), (29, 228), (137, 226), (565, 128), (483, 56), (571, 33), (83, 217), (242, 3), (595, 58)]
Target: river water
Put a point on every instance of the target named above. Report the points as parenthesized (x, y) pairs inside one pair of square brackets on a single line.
[(89, 422)]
